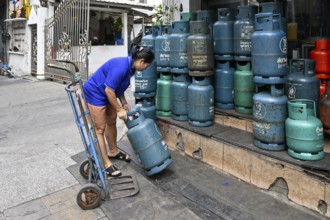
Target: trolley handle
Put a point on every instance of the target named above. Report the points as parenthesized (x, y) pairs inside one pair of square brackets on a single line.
[(74, 76)]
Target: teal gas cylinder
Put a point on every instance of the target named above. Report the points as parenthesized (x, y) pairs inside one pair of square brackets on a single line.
[(148, 108), (163, 96), (244, 88), (147, 142), (304, 131)]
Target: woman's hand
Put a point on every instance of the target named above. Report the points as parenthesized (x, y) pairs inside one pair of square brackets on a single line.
[(122, 114), (126, 106)]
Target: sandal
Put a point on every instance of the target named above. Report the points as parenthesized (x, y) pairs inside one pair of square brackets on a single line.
[(110, 170), (121, 156)]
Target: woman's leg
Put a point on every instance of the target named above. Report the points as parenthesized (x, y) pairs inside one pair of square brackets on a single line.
[(111, 130), (98, 114), (111, 135)]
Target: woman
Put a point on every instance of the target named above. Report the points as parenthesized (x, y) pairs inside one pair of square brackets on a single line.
[(102, 89)]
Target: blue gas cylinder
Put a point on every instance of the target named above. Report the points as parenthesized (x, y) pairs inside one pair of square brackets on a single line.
[(179, 94), (224, 85), (200, 102), (223, 31), (146, 82), (301, 83), (243, 29), (147, 142), (269, 50), (148, 108), (269, 115), (178, 42), (275, 8), (200, 50), (148, 40), (210, 16), (162, 49)]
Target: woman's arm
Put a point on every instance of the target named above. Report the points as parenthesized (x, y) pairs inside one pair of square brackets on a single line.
[(122, 114), (124, 103)]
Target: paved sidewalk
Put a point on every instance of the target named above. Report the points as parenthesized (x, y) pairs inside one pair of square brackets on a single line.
[(41, 151)]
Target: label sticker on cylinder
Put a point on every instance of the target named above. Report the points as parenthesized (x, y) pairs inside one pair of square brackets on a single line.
[(283, 45), (260, 110), (292, 92)]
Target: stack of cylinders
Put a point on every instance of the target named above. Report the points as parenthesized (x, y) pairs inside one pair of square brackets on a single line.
[(269, 66), (244, 87), (146, 81), (224, 85), (243, 29), (201, 102), (301, 82), (321, 54), (223, 34), (275, 8), (163, 97), (200, 99), (224, 54), (179, 69), (269, 115)]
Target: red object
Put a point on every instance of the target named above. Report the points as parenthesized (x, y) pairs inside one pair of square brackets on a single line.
[(321, 54), (322, 88), (325, 108)]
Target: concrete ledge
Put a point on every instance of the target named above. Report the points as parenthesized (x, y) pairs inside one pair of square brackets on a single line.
[(243, 160)]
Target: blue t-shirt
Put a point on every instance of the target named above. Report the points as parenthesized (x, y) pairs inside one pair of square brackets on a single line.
[(115, 74)]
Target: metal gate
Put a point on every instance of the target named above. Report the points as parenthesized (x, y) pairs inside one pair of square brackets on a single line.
[(66, 38)]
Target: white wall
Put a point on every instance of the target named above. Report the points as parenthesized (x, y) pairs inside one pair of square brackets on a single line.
[(100, 54)]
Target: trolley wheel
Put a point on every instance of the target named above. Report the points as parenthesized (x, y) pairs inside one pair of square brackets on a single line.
[(89, 197), (84, 169)]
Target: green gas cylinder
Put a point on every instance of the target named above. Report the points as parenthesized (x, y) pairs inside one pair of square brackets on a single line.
[(244, 88), (304, 131), (163, 96)]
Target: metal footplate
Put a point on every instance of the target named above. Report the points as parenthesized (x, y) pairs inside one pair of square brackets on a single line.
[(123, 186)]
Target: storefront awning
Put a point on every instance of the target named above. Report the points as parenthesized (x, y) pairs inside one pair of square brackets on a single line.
[(123, 4)]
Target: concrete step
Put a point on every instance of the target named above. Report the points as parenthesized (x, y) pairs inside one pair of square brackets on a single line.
[(230, 150)]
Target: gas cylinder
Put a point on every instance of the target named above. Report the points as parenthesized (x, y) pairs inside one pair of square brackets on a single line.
[(244, 88), (200, 49), (179, 89), (269, 115), (224, 85), (269, 50), (301, 83), (325, 109), (322, 87), (147, 142), (243, 29), (321, 54), (210, 16), (148, 40), (162, 49), (188, 16), (178, 42), (163, 97), (146, 82), (275, 8), (223, 34), (148, 108), (304, 132), (200, 102)]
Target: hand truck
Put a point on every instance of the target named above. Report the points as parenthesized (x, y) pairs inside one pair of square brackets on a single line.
[(92, 169)]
